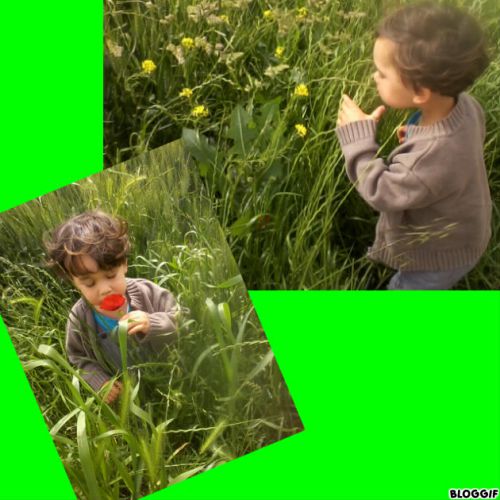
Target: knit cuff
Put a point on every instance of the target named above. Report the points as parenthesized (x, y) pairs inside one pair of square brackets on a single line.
[(356, 131), (96, 379), (160, 323), (162, 331)]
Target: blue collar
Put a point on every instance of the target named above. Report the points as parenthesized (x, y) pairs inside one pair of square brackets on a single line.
[(106, 324), (414, 118)]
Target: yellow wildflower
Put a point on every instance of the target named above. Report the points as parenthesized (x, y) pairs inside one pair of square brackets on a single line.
[(279, 51), (268, 14), (186, 92), (199, 111), (224, 18), (301, 90), (301, 130), (148, 66), (302, 13), (187, 42)]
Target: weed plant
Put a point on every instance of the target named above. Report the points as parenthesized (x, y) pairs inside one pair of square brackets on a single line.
[(217, 395), (226, 77)]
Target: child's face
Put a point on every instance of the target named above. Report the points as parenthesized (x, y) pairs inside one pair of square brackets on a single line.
[(390, 87), (96, 283)]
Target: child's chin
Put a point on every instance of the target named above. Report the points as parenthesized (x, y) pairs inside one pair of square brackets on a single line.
[(395, 105), (104, 311), (385, 102)]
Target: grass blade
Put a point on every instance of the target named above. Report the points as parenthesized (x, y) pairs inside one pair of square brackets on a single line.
[(86, 457)]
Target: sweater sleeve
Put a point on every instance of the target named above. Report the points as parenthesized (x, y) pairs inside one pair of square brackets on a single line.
[(393, 186), (162, 317), (78, 356)]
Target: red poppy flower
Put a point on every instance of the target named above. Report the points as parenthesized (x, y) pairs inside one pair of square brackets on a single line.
[(112, 302)]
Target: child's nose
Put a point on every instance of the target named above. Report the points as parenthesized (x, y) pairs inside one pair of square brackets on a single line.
[(105, 288)]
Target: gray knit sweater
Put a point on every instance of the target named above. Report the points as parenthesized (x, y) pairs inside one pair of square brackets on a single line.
[(432, 192), (88, 353)]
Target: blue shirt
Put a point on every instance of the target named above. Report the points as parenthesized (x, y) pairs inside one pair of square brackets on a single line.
[(107, 325), (413, 120)]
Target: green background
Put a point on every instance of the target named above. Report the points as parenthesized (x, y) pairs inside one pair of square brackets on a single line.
[(399, 392)]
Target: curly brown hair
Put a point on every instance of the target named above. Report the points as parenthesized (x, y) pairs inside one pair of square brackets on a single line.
[(92, 233), (439, 47)]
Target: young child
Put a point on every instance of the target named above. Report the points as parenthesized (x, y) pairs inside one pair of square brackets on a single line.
[(432, 192), (90, 250)]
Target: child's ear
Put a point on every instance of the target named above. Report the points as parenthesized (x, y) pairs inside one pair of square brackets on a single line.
[(421, 96)]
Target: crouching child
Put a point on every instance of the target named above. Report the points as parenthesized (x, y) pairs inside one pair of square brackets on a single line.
[(90, 250)]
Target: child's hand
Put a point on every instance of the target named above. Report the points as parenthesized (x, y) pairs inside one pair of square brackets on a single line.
[(401, 133), (351, 112), (138, 322), (114, 392)]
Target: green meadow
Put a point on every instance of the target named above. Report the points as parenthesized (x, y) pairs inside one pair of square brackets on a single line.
[(253, 88), (217, 395)]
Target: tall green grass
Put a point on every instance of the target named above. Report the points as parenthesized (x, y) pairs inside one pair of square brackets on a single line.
[(289, 212), (217, 395)]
